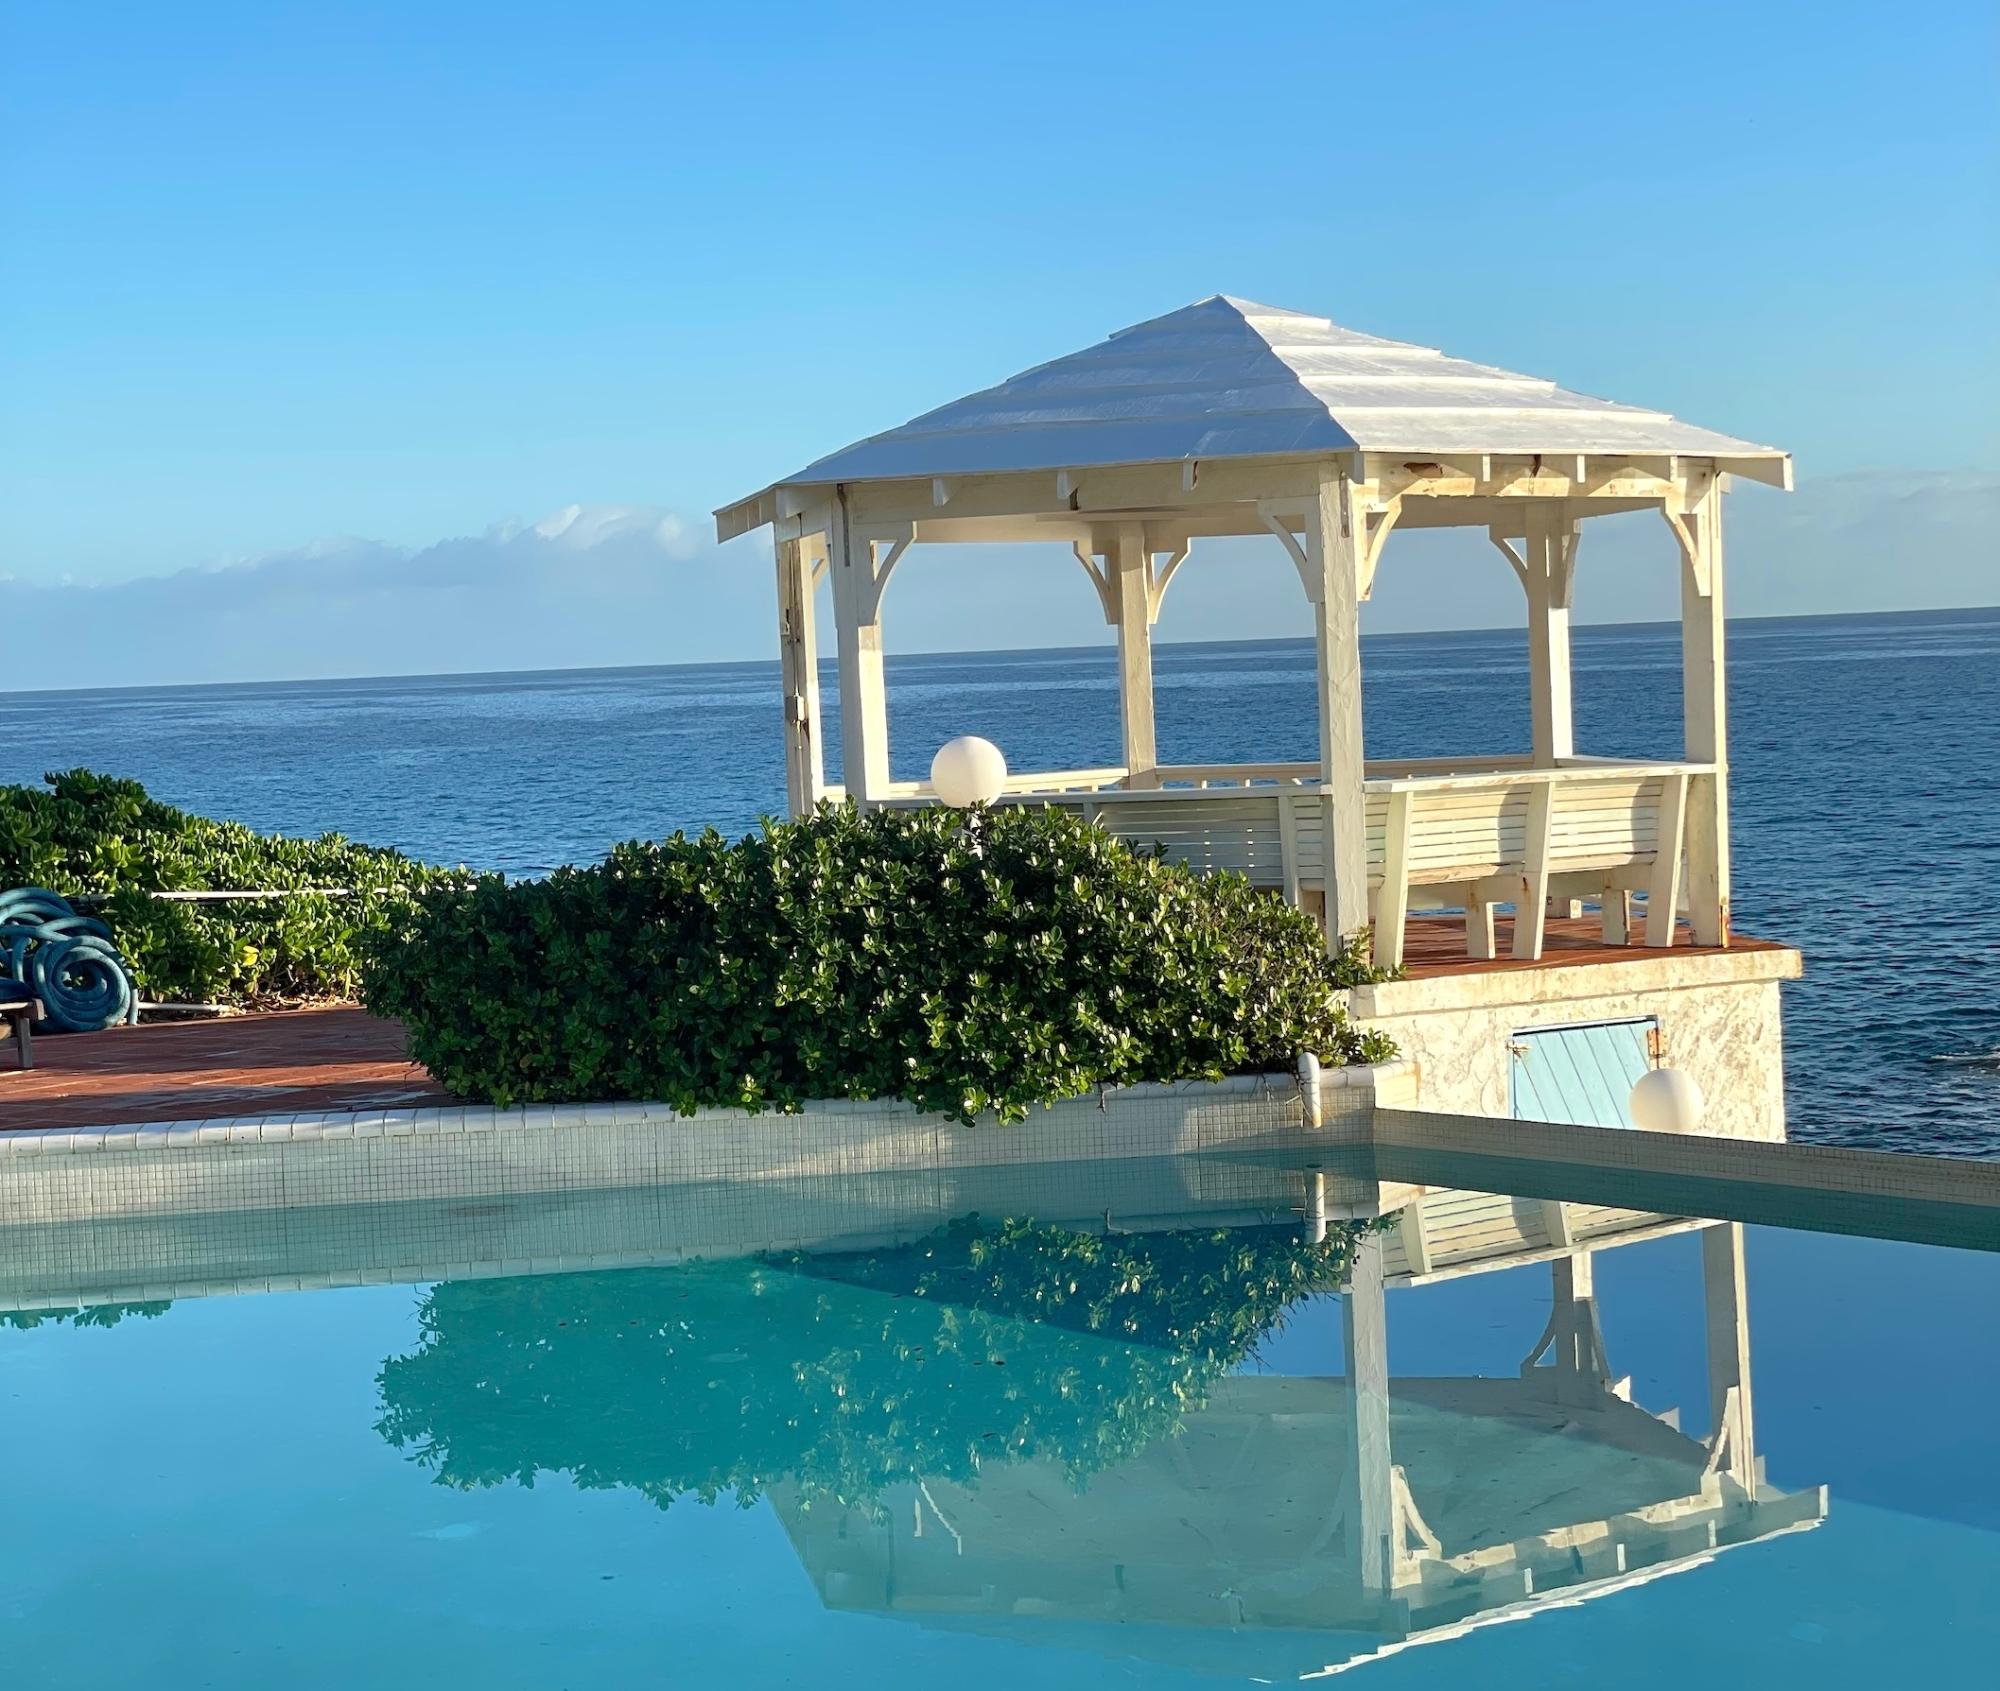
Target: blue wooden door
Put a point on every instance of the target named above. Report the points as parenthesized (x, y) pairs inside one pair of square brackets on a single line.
[(1581, 1074)]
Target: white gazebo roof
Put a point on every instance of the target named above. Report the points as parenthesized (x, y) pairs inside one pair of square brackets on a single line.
[(1229, 378)]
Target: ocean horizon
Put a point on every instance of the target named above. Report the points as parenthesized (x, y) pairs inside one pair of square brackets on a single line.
[(1368, 639)]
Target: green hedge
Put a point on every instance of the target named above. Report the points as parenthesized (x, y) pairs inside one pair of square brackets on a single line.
[(91, 835), (961, 960)]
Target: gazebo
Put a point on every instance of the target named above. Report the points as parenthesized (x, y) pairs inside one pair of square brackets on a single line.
[(1232, 418)]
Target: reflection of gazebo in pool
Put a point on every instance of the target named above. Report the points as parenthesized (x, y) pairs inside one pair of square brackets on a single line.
[(1368, 1513)]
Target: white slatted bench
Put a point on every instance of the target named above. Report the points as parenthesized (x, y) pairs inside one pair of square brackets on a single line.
[(1442, 834)]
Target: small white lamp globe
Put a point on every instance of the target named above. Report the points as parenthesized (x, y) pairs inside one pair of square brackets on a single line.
[(1666, 1101), (968, 771)]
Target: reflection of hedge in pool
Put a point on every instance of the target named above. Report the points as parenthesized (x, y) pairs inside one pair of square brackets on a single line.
[(998, 1342), (92, 1315)]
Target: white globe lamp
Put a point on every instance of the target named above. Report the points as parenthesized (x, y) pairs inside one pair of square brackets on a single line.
[(1666, 1101), (968, 771)]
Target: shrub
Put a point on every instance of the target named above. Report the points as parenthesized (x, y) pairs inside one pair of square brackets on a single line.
[(961, 960), (106, 839)]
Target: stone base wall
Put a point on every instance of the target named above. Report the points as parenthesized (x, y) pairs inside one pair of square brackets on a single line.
[(1718, 1016)]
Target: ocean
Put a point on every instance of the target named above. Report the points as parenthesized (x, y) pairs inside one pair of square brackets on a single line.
[(1865, 787)]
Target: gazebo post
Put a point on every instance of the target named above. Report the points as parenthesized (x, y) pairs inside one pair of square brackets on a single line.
[(1705, 718), (1334, 535), (798, 667), (1131, 569), (864, 711), (1369, 1487), (1550, 554), (1726, 1311)]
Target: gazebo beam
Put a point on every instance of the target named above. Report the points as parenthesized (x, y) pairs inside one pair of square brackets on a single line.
[(1110, 492)]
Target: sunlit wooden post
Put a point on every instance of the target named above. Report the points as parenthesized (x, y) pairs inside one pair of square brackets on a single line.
[(798, 665), (1335, 534), (1549, 553), (1131, 566), (1705, 715), (864, 712)]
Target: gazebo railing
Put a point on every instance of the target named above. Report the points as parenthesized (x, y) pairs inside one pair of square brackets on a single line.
[(1442, 833)]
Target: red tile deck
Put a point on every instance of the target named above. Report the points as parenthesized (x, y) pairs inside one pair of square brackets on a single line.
[(298, 1061), (282, 1064)]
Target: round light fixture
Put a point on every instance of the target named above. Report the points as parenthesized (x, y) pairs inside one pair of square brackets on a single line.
[(968, 771), (1666, 1101)]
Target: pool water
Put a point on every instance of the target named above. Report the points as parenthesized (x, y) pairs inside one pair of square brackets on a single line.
[(1007, 1453)]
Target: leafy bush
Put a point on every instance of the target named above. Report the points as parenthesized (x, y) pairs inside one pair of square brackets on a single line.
[(998, 1342), (87, 834), (961, 960), (90, 1315)]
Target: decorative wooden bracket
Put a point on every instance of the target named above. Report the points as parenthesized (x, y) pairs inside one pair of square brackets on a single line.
[(1693, 553), (1279, 516), (1572, 1341), (1158, 575), (1278, 519), (1696, 527), (1378, 525), (1563, 562), (878, 550), (1723, 1455), (1100, 578), (1411, 1541), (1507, 551)]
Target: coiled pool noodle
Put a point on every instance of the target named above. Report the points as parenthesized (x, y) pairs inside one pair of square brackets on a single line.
[(66, 960)]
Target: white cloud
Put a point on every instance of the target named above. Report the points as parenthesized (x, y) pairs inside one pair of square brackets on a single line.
[(619, 584), (604, 585)]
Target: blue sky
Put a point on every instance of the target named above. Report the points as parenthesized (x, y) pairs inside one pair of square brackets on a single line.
[(276, 277)]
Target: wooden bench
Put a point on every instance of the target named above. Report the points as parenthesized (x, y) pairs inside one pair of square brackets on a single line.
[(20, 1014)]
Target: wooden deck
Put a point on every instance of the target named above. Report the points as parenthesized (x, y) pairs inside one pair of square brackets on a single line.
[(334, 1059), (282, 1064), (1435, 945)]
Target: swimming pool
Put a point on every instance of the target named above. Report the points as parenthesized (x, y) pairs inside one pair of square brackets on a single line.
[(1138, 1428)]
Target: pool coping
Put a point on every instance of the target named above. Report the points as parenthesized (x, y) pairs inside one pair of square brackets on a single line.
[(450, 1119)]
